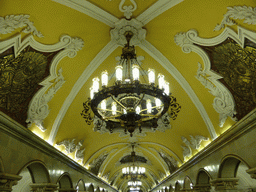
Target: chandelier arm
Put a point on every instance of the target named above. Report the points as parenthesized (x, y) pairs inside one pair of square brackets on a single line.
[(117, 102), (108, 110), (152, 108), (139, 101)]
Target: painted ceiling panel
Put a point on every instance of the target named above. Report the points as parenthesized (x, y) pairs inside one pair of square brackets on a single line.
[(197, 121)]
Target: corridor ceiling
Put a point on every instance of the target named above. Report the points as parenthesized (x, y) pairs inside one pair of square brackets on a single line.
[(166, 22)]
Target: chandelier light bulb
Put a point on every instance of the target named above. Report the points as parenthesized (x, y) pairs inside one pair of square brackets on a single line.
[(104, 105), (104, 78), (166, 88), (119, 73), (151, 76), (158, 102), (149, 106), (161, 81), (91, 92), (113, 108), (137, 110), (135, 72), (95, 84)]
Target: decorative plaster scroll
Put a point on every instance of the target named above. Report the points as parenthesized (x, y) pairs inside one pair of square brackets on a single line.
[(122, 26), (164, 123), (79, 154), (69, 145), (11, 22), (127, 10), (38, 108), (223, 102), (194, 143), (169, 160), (97, 162), (238, 12)]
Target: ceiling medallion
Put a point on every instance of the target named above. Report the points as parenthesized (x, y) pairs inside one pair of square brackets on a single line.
[(134, 101)]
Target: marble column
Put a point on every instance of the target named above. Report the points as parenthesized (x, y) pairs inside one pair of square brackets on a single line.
[(7, 181)]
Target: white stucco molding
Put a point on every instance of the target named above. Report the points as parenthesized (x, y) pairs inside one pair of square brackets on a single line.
[(91, 10), (160, 58), (223, 102), (156, 9), (248, 14), (11, 22), (122, 26), (38, 108), (127, 10)]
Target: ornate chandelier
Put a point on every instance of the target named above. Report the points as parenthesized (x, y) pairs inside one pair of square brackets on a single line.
[(132, 101)]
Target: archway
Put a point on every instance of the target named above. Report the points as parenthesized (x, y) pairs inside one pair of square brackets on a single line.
[(32, 172), (177, 186), (91, 188), (188, 185), (235, 167), (65, 182), (80, 185)]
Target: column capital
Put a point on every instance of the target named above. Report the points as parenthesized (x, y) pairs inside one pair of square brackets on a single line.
[(252, 172), (67, 190), (202, 187), (7, 181), (43, 187), (225, 183)]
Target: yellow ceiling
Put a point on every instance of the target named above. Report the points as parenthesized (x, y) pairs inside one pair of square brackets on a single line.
[(53, 20)]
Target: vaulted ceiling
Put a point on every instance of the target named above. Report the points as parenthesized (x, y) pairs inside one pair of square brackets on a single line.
[(205, 113)]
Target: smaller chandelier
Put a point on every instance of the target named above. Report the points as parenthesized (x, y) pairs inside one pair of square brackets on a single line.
[(134, 183), (134, 189), (132, 102), (133, 172)]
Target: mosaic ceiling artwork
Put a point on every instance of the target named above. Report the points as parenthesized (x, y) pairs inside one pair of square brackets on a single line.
[(20, 77), (237, 66)]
